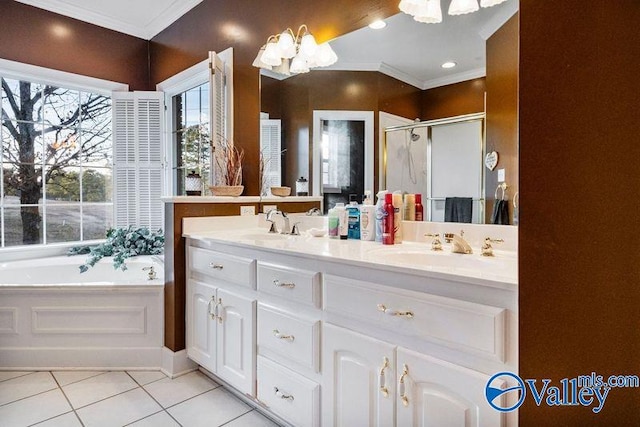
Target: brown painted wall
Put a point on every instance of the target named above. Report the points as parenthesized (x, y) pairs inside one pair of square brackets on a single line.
[(453, 100), (245, 26), (502, 111), (39, 37), (331, 90), (579, 268)]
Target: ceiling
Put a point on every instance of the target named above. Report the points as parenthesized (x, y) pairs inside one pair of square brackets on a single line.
[(414, 52), (140, 18), (405, 49)]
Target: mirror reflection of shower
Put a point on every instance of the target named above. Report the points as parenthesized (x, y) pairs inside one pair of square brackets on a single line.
[(407, 154), (411, 163)]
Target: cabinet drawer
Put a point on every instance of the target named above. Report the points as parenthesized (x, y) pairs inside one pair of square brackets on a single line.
[(458, 324), (294, 284), (289, 395), (223, 267), (290, 337)]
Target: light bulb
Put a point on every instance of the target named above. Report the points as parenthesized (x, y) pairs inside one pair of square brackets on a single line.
[(411, 6), (325, 56), (429, 13), (461, 7), (272, 55), (286, 45), (308, 45), (299, 65)]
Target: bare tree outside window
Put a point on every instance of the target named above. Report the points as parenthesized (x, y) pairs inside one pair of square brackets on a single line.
[(56, 164)]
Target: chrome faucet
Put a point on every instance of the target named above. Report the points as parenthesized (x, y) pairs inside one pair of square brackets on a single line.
[(459, 245), (273, 229)]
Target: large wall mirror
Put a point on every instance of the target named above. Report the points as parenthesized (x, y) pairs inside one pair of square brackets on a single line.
[(421, 109)]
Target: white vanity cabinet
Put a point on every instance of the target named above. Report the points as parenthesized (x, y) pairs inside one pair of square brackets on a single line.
[(220, 319)]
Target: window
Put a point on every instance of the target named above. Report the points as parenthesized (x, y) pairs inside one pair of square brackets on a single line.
[(56, 163), (192, 134), (199, 104)]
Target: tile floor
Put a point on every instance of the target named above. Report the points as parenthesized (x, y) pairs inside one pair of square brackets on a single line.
[(119, 398)]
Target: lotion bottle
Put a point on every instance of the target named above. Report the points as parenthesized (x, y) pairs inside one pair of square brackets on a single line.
[(367, 218), (343, 223), (388, 229), (397, 217), (333, 222), (419, 208), (380, 214)]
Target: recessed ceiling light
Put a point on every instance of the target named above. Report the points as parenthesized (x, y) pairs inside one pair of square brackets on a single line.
[(449, 64), (377, 25)]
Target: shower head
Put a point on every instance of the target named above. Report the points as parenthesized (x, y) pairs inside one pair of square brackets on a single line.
[(414, 136)]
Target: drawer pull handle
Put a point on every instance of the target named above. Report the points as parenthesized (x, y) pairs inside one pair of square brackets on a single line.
[(385, 310), (280, 284), (382, 380), (216, 266), (402, 389), (212, 314), (281, 395), (277, 334)]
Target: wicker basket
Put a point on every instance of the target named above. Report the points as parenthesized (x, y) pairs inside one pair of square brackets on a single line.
[(226, 190), (281, 191)]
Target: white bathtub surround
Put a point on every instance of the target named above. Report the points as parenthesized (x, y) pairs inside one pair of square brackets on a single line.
[(53, 317), (136, 398)]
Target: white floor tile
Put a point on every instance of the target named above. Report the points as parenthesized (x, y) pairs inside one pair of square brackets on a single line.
[(25, 386), (161, 419), (34, 409), (146, 377), (97, 388), (252, 419), (119, 410), (7, 375), (67, 420), (69, 377), (171, 391), (213, 408)]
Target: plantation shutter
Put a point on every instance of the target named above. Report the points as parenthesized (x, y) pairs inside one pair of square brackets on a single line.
[(270, 147), (137, 154), (218, 108)]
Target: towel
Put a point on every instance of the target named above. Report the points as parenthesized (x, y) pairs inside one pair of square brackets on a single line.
[(500, 213), (458, 209)]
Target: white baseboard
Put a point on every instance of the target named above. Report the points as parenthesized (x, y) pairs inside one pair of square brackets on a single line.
[(48, 358), (176, 363)]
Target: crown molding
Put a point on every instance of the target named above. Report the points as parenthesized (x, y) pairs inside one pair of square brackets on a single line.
[(165, 18), (454, 78)]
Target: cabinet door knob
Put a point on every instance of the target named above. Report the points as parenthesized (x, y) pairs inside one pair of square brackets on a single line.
[(277, 334), (282, 395), (402, 389), (280, 284), (382, 380), (385, 310), (216, 266)]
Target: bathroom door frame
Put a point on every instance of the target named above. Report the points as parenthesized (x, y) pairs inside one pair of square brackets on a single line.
[(316, 158)]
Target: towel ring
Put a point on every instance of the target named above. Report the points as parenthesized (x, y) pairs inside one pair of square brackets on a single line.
[(504, 187), (515, 200)]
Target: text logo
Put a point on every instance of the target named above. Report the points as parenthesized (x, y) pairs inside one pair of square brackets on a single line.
[(496, 395)]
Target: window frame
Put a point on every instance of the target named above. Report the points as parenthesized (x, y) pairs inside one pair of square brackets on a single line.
[(36, 74), (193, 76)]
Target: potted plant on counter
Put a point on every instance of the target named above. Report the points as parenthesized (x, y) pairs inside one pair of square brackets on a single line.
[(228, 168)]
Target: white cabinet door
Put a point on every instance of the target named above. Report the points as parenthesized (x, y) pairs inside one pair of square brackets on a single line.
[(201, 324), (236, 355), (439, 393), (356, 368)]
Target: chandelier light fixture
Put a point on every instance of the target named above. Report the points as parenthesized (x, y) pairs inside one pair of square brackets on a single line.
[(430, 11), (288, 53)]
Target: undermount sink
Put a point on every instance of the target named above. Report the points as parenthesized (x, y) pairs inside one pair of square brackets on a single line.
[(426, 258)]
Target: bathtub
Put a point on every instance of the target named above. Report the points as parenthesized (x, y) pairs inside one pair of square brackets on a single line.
[(54, 317)]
